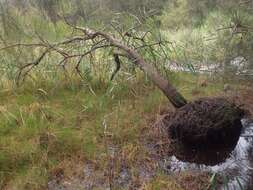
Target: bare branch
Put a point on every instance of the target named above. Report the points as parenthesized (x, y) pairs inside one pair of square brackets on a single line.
[(101, 40), (118, 65), (30, 66), (78, 67)]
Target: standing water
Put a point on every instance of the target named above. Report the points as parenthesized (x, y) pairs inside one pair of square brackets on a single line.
[(236, 167)]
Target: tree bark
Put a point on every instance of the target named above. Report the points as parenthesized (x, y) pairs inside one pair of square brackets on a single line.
[(176, 99)]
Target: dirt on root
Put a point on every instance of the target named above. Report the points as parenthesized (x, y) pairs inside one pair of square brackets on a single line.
[(207, 122)]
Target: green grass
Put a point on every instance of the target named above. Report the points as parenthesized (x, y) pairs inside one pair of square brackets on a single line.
[(40, 132)]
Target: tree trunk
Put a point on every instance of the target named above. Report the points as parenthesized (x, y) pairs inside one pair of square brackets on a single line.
[(176, 99)]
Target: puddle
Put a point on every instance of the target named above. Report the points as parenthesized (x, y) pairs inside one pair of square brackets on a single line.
[(92, 178), (236, 165)]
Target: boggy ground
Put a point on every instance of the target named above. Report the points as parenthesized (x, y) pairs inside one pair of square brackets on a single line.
[(67, 137)]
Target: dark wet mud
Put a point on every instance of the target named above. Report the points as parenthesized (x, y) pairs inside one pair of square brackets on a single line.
[(234, 165), (206, 123)]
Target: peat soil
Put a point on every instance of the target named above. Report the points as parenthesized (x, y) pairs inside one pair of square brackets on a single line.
[(206, 123), (233, 166), (234, 169)]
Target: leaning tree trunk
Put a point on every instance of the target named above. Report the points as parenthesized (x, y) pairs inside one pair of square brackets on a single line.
[(176, 99)]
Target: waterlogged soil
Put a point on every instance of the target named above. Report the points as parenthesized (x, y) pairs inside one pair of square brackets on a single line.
[(233, 167), (105, 179), (236, 171)]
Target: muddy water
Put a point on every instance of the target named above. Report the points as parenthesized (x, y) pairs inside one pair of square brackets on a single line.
[(236, 167)]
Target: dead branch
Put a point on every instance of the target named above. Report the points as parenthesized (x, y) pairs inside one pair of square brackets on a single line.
[(101, 40), (118, 65)]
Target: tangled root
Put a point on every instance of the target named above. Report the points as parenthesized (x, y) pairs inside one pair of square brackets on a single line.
[(207, 122)]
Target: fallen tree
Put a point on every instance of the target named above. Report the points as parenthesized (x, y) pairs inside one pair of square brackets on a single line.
[(199, 122), (102, 40)]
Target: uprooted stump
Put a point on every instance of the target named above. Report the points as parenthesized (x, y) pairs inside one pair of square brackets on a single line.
[(206, 123), (207, 156)]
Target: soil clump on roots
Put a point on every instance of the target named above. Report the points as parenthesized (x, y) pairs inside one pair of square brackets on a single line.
[(205, 123)]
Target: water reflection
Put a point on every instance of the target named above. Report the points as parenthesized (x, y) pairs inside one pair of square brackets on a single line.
[(235, 163)]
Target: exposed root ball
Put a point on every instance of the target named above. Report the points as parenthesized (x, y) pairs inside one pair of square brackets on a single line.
[(207, 122)]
